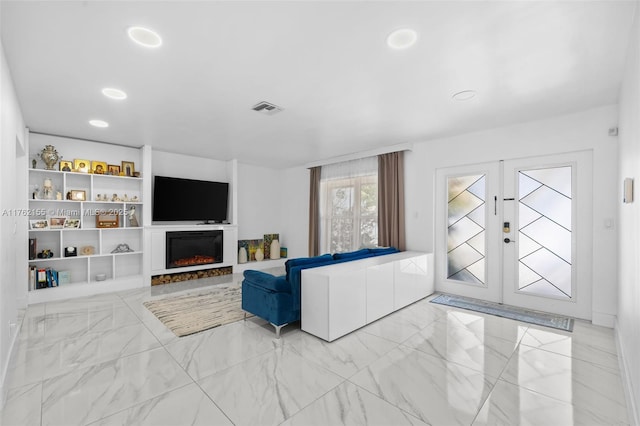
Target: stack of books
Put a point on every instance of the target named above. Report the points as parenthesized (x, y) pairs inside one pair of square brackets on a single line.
[(42, 278)]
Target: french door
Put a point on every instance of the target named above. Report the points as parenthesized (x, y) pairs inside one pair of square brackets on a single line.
[(517, 232)]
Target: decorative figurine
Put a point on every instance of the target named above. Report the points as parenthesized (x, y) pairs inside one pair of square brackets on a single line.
[(133, 220), (50, 157)]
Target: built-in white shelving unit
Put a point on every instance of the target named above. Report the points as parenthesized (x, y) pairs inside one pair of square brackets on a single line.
[(95, 245)]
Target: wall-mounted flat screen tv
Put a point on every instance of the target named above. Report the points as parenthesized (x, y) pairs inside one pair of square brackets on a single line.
[(177, 199)]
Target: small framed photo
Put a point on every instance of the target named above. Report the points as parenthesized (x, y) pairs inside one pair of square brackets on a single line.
[(39, 224), (78, 195), (72, 223), (66, 166), (113, 169), (81, 166), (99, 167), (128, 168), (56, 222)]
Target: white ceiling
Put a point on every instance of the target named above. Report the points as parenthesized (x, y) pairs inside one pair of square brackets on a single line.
[(325, 63)]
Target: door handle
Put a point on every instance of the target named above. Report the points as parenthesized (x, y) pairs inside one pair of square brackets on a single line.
[(507, 240)]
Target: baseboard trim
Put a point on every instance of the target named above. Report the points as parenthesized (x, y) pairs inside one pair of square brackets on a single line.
[(629, 394), (603, 320)]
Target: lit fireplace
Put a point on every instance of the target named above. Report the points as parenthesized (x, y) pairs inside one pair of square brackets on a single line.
[(193, 248)]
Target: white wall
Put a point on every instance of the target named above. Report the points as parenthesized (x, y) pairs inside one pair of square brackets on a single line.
[(628, 324), (294, 199), (258, 190), (188, 167), (259, 207), (582, 131), (13, 247)]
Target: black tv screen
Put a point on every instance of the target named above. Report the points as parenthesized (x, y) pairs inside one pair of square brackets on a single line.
[(176, 199)]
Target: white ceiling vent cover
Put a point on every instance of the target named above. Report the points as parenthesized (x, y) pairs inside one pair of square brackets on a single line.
[(266, 108)]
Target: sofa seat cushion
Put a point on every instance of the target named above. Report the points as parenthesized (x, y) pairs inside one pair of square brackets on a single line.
[(267, 281), (274, 307)]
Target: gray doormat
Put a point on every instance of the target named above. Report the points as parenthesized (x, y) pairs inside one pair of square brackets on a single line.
[(511, 312)]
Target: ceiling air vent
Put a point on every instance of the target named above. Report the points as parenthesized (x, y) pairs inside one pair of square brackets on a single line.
[(266, 108)]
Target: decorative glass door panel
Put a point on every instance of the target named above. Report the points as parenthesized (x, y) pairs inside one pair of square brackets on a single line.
[(466, 229), (544, 218)]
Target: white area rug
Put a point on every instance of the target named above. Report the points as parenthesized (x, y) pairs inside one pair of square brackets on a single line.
[(192, 313)]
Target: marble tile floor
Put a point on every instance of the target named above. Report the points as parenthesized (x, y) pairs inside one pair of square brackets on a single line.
[(105, 360)]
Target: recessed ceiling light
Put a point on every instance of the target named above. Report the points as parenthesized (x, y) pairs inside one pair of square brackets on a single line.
[(465, 95), (99, 123), (402, 38), (112, 93), (144, 37)]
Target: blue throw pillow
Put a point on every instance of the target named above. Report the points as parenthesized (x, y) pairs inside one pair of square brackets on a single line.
[(301, 261)]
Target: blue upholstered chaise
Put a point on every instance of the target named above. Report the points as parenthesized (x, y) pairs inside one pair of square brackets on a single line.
[(277, 298)]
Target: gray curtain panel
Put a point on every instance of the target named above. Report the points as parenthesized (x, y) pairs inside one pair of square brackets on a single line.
[(314, 211), (391, 200)]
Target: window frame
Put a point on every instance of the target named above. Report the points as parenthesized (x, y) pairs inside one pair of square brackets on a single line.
[(358, 217)]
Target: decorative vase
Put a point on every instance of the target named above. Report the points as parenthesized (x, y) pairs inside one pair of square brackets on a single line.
[(50, 157), (47, 189), (275, 249), (242, 255), (259, 255)]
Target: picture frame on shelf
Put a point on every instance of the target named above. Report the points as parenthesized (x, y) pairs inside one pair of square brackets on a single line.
[(81, 166), (39, 224), (128, 167), (113, 169), (56, 222), (78, 195), (99, 167), (72, 223), (66, 166)]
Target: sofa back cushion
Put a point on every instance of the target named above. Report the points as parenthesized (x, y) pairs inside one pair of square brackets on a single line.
[(379, 251), (358, 254), (306, 261)]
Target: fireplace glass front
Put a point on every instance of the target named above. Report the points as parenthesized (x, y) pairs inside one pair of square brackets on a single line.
[(193, 248)]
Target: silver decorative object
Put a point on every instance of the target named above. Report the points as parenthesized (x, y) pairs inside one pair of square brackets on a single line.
[(122, 248), (50, 157)]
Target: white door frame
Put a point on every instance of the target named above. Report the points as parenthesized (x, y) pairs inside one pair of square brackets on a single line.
[(501, 257), (580, 304)]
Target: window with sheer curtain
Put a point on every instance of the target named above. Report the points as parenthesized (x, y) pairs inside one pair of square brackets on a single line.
[(349, 205)]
